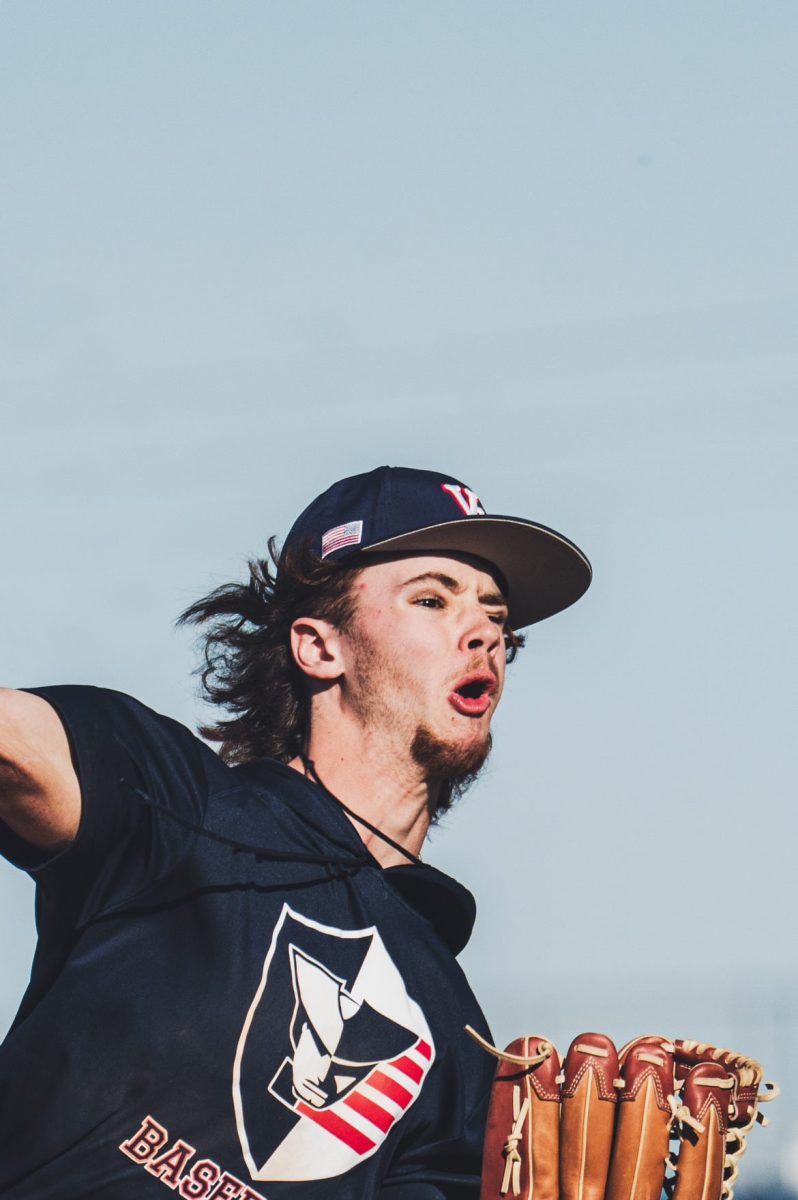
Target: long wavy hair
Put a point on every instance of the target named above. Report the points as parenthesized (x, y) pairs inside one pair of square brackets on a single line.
[(247, 665)]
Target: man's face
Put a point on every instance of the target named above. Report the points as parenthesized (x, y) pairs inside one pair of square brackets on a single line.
[(425, 658)]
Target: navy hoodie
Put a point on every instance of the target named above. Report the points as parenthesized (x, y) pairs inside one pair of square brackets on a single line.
[(230, 998)]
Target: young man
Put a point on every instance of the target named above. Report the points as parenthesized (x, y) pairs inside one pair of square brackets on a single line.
[(245, 983)]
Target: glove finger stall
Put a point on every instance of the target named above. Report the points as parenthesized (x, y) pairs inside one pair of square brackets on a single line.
[(521, 1149), (589, 1099), (640, 1149), (705, 1097)]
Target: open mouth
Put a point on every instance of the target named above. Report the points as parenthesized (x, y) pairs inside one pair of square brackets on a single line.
[(471, 696)]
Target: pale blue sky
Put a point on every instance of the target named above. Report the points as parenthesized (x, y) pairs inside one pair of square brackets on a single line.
[(249, 248)]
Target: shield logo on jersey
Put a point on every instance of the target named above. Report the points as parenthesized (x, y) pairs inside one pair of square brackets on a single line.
[(332, 1054)]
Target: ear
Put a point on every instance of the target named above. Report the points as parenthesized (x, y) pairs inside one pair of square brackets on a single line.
[(316, 648)]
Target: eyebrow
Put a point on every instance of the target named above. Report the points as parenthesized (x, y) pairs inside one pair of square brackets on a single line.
[(454, 586)]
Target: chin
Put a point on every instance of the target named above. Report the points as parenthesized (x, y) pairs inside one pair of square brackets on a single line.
[(455, 760)]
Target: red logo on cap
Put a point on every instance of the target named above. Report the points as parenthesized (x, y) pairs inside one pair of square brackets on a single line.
[(465, 499)]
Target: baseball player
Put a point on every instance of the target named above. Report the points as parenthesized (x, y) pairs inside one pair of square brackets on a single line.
[(245, 984)]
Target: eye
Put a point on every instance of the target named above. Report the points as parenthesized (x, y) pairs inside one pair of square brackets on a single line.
[(430, 601)]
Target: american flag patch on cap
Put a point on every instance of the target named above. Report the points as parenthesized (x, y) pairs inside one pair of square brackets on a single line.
[(350, 534)]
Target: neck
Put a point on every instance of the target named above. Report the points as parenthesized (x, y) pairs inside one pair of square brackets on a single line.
[(385, 788)]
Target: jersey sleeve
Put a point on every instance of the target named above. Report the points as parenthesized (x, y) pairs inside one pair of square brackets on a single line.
[(144, 783)]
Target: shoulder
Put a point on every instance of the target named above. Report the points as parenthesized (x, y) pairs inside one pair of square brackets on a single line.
[(116, 739), (103, 711)]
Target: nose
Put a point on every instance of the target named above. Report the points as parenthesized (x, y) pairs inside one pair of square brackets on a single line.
[(480, 632)]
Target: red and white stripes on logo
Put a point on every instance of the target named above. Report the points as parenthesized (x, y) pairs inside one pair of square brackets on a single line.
[(379, 1100)]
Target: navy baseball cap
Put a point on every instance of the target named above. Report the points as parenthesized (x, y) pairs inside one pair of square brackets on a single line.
[(400, 509)]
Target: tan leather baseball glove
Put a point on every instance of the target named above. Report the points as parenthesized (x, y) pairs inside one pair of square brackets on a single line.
[(598, 1125)]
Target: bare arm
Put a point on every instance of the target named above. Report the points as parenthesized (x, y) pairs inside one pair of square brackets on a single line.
[(39, 789)]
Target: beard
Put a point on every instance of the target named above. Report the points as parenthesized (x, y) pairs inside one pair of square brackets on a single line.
[(452, 765)]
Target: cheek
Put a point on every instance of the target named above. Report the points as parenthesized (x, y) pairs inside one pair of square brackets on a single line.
[(407, 636), (403, 648)]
